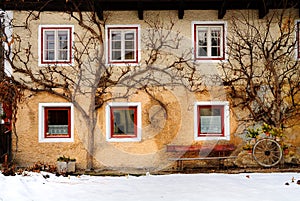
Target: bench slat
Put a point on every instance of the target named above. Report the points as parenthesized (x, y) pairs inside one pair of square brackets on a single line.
[(203, 158), (186, 148)]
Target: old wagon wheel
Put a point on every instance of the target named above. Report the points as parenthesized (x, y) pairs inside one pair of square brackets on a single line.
[(267, 152)]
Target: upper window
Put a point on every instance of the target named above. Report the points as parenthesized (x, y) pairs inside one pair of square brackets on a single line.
[(55, 122), (209, 41), (123, 122), (122, 44), (212, 120), (56, 45)]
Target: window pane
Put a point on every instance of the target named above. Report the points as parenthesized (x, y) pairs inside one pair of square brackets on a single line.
[(129, 36), (62, 55), (129, 55), (123, 120), (215, 41), (210, 120), (202, 51), (57, 121), (116, 35), (215, 51), (50, 55), (116, 45), (129, 44), (202, 38), (116, 55), (63, 45), (62, 35), (202, 42), (49, 45)]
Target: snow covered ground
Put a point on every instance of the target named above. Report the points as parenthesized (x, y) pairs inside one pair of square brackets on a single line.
[(175, 187)]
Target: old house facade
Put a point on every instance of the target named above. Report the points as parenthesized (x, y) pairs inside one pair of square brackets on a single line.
[(132, 124)]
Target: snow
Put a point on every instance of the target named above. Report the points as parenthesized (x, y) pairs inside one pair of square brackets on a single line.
[(173, 187)]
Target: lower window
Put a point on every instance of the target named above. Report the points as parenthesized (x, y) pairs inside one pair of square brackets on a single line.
[(211, 120), (123, 122), (55, 122)]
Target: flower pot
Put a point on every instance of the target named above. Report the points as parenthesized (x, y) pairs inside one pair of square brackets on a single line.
[(65, 167), (62, 167)]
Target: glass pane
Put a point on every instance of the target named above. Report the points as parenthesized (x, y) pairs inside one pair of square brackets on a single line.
[(50, 55), (50, 45), (129, 55), (210, 120), (49, 39), (202, 51), (116, 45), (57, 122), (123, 120), (63, 35), (129, 45), (129, 36), (215, 51), (202, 37), (116, 35), (116, 55), (49, 35), (63, 45), (202, 42), (62, 55), (215, 42), (210, 111)]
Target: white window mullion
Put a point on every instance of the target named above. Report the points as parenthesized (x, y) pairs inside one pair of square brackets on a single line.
[(56, 45), (123, 45), (208, 42)]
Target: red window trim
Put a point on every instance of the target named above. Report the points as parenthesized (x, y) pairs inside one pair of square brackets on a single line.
[(109, 45), (298, 38), (46, 109), (222, 57), (69, 61), (222, 134), (112, 135)]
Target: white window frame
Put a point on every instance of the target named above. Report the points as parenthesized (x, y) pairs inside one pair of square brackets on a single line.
[(70, 60), (209, 25), (108, 121), (123, 29), (42, 119), (226, 120)]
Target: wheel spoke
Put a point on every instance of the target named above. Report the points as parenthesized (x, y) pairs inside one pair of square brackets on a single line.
[(267, 152)]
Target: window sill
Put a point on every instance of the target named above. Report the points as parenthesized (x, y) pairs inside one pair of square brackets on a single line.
[(206, 138), (56, 140), (123, 139)]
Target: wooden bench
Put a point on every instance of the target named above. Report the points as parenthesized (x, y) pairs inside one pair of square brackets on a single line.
[(217, 152)]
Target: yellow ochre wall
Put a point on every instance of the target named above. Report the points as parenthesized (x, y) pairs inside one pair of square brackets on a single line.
[(174, 126)]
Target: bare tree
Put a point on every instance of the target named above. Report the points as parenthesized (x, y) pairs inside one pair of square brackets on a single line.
[(89, 82), (262, 72)]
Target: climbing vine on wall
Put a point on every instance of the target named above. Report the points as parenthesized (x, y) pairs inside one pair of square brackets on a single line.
[(11, 93)]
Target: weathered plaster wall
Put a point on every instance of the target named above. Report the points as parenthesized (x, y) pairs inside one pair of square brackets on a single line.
[(172, 125), (29, 149)]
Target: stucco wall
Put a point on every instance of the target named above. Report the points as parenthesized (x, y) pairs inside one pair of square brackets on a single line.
[(173, 124)]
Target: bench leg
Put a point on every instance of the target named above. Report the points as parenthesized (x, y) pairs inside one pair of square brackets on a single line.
[(221, 164), (179, 165)]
